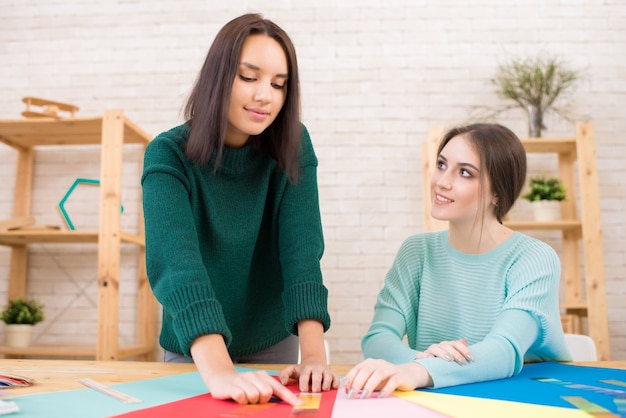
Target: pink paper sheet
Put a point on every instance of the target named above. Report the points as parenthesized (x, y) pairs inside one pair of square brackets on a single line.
[(377, 408)]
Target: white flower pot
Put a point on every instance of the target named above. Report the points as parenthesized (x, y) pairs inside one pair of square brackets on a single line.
[(19, 335), (546, 210)]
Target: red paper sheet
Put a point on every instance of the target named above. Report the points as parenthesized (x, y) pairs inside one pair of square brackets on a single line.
[(205, 406)]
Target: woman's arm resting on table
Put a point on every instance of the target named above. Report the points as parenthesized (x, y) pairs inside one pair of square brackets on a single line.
[(313, 372)]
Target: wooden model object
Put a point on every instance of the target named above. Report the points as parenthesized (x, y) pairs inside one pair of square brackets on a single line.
[(16, 223), (49, 109)]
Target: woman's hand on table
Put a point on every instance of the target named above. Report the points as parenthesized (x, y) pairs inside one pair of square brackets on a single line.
[(311, 376), (250, 388), (375, 375)]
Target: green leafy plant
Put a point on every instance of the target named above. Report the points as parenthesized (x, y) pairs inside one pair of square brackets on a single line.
[(535, 81), (542, 188), (534, 84), (23, 311)]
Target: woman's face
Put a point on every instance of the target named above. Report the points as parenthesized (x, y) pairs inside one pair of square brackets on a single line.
[(455, 185), (259, 89)]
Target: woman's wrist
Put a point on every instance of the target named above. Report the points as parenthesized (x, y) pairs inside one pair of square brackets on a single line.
[(421, 377)]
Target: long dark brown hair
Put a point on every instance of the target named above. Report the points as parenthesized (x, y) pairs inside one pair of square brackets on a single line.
[(502, 157), (206, 110)]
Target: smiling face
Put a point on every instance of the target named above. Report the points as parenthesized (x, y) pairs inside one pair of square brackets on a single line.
[(259, 89), (458, 194)]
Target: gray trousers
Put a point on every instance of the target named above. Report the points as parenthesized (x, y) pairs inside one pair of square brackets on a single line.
[(285, 352)]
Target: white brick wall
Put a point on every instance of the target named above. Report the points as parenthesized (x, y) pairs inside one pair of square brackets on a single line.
[(375, 76)]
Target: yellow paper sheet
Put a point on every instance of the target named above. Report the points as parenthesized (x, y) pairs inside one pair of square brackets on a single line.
[(470, 407)]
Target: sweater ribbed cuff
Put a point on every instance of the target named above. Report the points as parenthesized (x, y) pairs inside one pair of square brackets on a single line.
[(202, 317), (306, 301)]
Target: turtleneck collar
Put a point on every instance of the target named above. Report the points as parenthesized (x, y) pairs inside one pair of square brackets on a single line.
[(238, 161)]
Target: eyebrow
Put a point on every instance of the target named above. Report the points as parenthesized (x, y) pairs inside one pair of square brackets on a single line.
[(256, 68)]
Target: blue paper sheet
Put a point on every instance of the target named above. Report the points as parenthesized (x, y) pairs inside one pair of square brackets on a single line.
[(525, 388)]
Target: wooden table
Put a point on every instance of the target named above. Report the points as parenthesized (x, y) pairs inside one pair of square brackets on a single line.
[(58, 375)]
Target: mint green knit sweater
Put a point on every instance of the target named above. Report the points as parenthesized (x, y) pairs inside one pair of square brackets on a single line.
[(504, 302), (234, 252)]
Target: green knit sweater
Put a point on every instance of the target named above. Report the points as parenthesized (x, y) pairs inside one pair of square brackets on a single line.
[(234, 252)]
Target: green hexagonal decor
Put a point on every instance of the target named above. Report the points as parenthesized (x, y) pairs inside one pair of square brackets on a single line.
[(61, 206)]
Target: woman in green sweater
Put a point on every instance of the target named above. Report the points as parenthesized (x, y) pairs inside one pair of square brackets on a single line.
[(232, 221), (476, 301)]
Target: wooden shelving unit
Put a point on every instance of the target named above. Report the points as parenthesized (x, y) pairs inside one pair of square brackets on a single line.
[(584, 291), (112, 131)]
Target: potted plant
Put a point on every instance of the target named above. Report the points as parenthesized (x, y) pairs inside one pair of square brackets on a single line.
[(545, 193), (534, 84), (20, 316)]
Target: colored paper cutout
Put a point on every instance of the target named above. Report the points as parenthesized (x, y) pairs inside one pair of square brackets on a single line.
[(614, 382), (589, 407), (620, 405), (310, 405), (597, 389)]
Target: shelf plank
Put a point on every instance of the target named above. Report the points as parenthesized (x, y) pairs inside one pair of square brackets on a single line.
[(125, 351), (560, 225), (549, 145), (579, 305), (50, 350), (80, 131), (21, 237)]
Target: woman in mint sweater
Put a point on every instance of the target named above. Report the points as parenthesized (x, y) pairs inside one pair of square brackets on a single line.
[(232, 222), (476, 301)]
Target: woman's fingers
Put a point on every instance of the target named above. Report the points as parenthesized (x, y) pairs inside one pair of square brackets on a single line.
[(456, 351), (283, 393), (330, 380), (288, 373), (309, 380), (258, 387), (310, 377), (367, 377)]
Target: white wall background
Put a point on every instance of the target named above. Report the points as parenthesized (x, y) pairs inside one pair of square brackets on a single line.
[(375, 75)]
